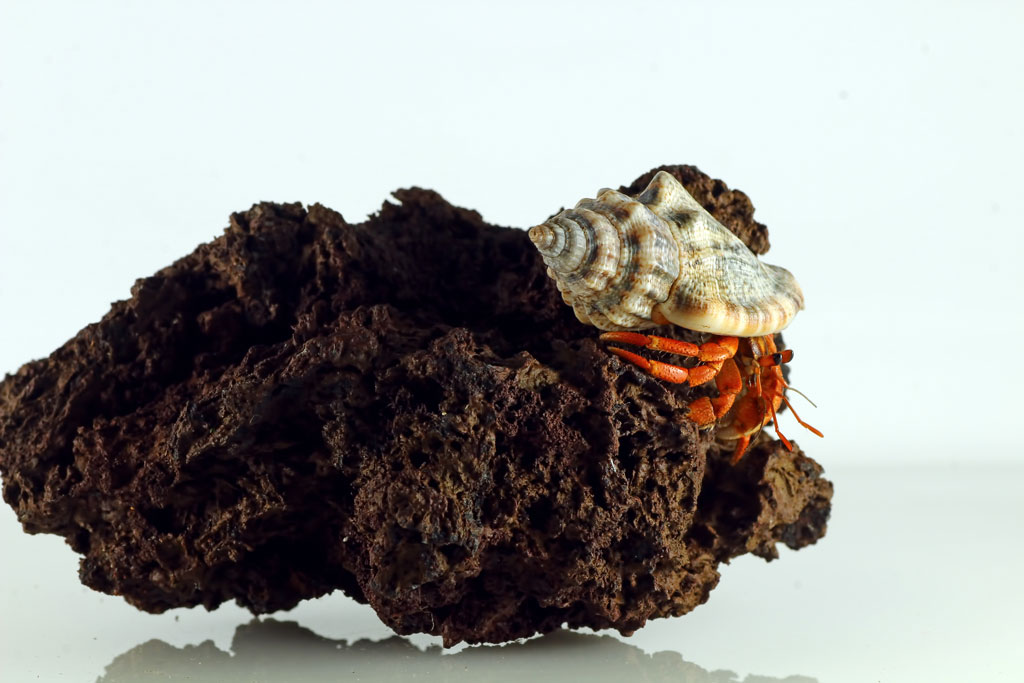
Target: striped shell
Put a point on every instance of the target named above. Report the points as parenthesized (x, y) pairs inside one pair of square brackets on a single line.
[(626, 263)]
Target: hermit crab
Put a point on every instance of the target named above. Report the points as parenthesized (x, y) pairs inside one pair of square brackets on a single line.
[(629, 263)]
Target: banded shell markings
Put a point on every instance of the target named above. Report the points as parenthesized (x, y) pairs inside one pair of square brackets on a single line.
[(612, 258), (633, 263)]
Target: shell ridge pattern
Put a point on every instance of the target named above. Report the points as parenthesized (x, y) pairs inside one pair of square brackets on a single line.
[(632, 288), (618, 260)]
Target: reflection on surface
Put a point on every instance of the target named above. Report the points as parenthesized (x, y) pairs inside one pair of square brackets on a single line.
[(270, 650)]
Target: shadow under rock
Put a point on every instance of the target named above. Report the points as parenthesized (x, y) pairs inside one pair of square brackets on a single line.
[(269, 650)]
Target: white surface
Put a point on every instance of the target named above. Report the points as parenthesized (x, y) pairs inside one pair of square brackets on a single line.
[(881, 143), (917, 580)]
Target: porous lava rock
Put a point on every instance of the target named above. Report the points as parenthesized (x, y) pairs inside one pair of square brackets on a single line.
[(402, 409)]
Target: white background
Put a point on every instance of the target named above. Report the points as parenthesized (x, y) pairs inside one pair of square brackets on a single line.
[(880, 142)]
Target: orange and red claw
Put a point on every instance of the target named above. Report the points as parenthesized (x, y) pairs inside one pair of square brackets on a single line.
[(701, 374), (710, 351), (719, 349), (662, 371), (702, 412), (775, 423), (722, 404), (729, 380)]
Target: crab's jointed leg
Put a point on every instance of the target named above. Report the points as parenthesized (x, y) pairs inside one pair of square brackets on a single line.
[(729, 382), (718, 364), (713, 353), (797, 418), (662, 371)]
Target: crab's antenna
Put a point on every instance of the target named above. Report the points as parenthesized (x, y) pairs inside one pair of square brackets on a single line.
[(802, 394)]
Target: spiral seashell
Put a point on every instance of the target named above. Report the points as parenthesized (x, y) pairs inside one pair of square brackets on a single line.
[(626, 263)]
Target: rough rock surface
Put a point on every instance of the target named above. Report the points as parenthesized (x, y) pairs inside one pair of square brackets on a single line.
[(403, 409)]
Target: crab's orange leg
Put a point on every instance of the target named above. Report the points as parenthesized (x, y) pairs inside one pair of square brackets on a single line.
[(663, 371), (704, 411), (718, 349), (775, 423), (713, 353), (675, 346), (729, 383), (802, 423)]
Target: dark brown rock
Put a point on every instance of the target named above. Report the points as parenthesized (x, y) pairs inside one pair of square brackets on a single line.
[(403, 409)]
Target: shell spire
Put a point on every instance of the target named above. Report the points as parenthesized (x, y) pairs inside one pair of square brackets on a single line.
[(612, 258), (636, 262)]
